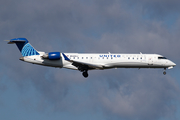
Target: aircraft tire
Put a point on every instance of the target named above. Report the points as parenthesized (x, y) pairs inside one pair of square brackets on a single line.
[(164, 72), (85, 74)]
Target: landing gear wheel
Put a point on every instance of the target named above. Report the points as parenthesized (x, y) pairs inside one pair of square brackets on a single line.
[(164, 72), (85, 74)]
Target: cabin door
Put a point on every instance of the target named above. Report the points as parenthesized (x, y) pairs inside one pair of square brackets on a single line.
[(150, 61)]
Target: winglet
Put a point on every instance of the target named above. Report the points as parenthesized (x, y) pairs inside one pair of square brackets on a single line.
[(65, 57)]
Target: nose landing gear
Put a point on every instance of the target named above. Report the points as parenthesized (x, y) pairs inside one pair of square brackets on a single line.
[(164, 71)]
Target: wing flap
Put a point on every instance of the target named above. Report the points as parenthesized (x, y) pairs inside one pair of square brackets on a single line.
[(88, 64)]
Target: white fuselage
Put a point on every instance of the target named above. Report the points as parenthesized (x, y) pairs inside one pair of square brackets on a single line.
[(105, 61)]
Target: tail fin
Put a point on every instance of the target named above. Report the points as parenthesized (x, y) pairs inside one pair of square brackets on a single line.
[(24, 47)]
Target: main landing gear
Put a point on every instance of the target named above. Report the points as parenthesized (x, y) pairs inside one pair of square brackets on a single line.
[(84, 70), (164, 71), (85, 74)]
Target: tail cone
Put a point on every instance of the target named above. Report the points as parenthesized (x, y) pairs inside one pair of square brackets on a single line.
[(22, 58)]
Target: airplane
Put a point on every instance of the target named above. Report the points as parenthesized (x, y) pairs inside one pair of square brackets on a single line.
[(85, 62)]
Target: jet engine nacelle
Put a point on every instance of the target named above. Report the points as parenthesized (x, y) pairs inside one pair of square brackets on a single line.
[(52, 56)]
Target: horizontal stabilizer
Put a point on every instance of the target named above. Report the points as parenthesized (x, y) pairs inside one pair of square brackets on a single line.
[(18, 40), (9, 42)]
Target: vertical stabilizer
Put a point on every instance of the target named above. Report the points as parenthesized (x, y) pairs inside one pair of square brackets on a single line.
[(24, 47)]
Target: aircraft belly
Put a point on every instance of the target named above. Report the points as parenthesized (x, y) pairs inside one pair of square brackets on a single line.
[(132, 65)]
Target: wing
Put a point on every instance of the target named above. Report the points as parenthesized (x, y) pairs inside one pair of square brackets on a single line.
[(83, 65)]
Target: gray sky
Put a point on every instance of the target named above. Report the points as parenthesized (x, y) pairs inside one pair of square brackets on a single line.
[(119, 26)]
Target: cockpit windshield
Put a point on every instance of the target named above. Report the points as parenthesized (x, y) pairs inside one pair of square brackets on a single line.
[(162, 58)]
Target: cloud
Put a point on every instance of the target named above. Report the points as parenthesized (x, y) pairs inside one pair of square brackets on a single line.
[(156, 9), (135, 96), (93, 26), (142, 98)]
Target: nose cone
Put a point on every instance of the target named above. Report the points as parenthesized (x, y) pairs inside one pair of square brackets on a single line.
[(173, 64)]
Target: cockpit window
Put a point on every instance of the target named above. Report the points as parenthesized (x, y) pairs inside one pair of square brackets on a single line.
[(162, 58)]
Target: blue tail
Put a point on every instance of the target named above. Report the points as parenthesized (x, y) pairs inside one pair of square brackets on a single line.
[(24, 47)]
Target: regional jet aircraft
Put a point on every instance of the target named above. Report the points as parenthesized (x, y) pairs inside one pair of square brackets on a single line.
[(94, 61)]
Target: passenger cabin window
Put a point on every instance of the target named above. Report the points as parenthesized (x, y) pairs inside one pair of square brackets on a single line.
[(162, 58)]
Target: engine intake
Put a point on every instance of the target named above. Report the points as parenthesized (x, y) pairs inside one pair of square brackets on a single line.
[(52, 56)]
